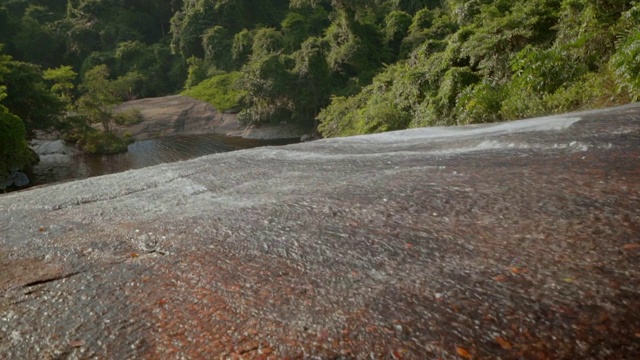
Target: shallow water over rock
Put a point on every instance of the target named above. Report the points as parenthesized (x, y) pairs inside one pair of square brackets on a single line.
[(65, 163)]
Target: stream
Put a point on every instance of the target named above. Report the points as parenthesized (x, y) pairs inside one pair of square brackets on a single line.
[(58, 165)]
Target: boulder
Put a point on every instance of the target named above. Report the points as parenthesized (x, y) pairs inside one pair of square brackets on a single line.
[(16, 178), (51, 147), (510, 240)]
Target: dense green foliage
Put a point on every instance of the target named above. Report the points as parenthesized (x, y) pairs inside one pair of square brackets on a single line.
[(358, 66), (51, 42), (29, 96), (98, 142), (472, 62), (14, 153), (220, 91), (379, 65)]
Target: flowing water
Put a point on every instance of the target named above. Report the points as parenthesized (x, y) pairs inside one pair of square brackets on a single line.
[(64, 167)]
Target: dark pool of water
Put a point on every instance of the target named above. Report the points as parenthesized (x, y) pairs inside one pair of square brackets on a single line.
[(57, 168)]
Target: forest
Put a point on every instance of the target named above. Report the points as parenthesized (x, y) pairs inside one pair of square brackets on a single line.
[(343, 67)]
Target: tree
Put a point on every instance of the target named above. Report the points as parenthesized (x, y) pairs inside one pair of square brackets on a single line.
[(502, 28), (196, 16), (427, 25), (268, 82), (397, 25), (29, 96), (625, 62), (100, 94), (356, 50), (36, 40), (303, 24), (152, 65), (14, 151), (385, 63), (62, 78), (217, 42), (241, 47), (313, 79)]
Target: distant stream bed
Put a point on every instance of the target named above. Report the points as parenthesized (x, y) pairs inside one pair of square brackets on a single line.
[(73, 165)]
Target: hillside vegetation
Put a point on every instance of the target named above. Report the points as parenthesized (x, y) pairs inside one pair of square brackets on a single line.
[(349, 67)]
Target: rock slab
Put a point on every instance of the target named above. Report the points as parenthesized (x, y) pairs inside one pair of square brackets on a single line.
[(514, 240), (177, 114)]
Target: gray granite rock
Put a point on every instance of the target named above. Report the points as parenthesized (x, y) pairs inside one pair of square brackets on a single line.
[(15, 178), (512, 240)]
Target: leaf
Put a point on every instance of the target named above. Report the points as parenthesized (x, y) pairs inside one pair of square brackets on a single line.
[(631, 246), (505, 344), (134, 255), (518, 270), (463, 352), (500, 278)]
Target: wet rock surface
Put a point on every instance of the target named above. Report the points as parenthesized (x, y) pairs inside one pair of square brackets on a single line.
[(516, 240)]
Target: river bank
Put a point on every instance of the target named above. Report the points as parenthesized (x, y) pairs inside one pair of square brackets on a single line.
[(182, 115), (189, 127), (60, 162)]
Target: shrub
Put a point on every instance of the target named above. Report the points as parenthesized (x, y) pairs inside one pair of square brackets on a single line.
[(591, 91), (129, 117), (14, 151), (522, 102), (625, 62), (219, 91), (104, 142), (479, 103)]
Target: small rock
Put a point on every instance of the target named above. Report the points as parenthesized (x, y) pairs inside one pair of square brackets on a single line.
[(76, 343), (20, 179)]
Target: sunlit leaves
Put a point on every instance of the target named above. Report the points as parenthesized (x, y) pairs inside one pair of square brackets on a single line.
[(267, 41), (396, 27), (221, 91), (100, 93), (29, 96), (62, 78), (303, 24), (268, 83), (626, 65), (479, 103), (217, 42)]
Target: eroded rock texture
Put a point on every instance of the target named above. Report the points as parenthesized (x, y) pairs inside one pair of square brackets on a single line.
[(516, 240)]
